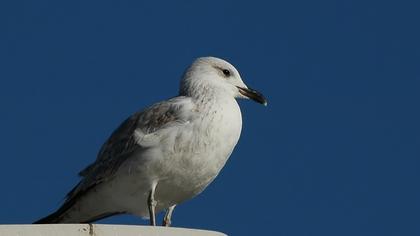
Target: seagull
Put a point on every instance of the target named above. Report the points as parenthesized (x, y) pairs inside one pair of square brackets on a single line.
[(165, 154)]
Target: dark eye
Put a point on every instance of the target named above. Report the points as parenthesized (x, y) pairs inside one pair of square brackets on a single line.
[(226, 72)]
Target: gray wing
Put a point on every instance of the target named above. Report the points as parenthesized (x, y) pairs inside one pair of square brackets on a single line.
[(123, 141)]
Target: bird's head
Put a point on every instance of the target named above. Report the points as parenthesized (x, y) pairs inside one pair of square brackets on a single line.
[(211, 73)]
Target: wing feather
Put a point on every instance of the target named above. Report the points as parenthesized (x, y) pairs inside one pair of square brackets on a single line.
[(124, 140)]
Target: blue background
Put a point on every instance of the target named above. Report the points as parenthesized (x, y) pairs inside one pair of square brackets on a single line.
[(336, 152)]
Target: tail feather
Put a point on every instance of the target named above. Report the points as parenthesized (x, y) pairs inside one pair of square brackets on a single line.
[(78, 208), (57, 216), (54, 218), (50, 219), (60, 217)]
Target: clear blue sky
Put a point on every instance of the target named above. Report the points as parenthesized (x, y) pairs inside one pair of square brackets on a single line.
[(336, 152)]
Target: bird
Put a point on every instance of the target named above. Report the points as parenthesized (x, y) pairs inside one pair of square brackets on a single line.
[(164, 154)]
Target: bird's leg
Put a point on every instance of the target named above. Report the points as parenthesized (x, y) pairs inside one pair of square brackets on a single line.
[(168, 215), (151, 202)]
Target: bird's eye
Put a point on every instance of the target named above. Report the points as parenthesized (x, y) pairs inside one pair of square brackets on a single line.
[(226, 72)]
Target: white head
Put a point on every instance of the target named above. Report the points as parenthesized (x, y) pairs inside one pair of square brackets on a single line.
[(215, 75)]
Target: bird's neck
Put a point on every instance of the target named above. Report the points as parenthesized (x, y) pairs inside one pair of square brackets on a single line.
[(211, 100), (207, 95)]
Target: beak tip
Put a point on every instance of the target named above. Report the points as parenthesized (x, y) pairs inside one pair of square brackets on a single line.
[(254, 95)]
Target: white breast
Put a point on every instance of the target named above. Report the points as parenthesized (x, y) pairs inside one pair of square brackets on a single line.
[(199, 151)]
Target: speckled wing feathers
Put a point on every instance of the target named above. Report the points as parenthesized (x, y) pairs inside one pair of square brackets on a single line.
[(123, 141)]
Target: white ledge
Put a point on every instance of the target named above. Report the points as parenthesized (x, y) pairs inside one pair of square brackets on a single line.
[(100, 230)]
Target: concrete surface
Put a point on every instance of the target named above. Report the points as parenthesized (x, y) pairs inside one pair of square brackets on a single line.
[(100, 230)]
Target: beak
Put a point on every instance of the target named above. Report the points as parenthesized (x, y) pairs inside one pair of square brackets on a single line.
[(253, 94)]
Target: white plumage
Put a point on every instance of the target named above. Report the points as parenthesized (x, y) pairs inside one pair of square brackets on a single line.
[(165, 154)]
